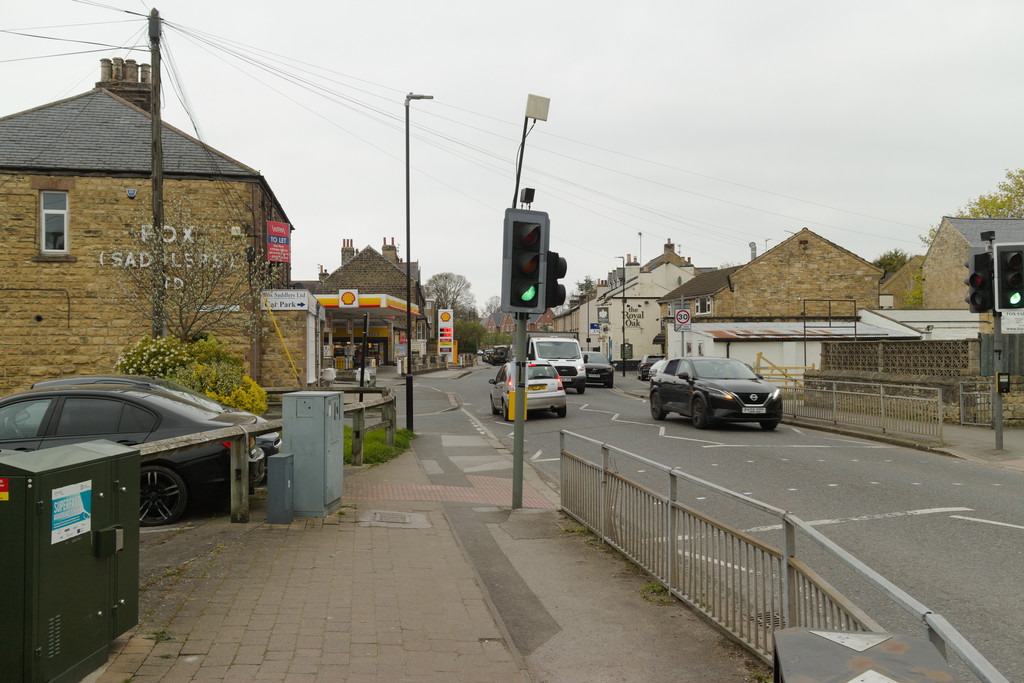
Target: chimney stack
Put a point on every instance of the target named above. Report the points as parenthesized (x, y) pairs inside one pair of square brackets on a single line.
[(390, 251), (347, 251), (128, 80)]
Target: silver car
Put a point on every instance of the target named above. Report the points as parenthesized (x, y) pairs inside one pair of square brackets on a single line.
[(544, 390)]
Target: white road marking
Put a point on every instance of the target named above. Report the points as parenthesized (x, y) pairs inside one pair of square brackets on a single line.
[(537, 455), (987, 521), (868, 518)]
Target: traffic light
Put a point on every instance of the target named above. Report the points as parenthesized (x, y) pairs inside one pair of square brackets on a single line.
[(555, 268), (522, 266), (979, 280), (1009, 277)]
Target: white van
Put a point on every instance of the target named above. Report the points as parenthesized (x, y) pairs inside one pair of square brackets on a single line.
[(564, 353)]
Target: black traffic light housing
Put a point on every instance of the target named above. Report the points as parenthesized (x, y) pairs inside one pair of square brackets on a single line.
[(556, 268), (1009, 277), (523, 267), (980, 296)]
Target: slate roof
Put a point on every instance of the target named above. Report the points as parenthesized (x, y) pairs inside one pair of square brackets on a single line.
[(100, 132), (703, 284), (1006, 229)]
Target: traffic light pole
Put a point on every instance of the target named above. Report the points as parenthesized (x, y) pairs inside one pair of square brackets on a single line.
[(520, 411), (997, 367)]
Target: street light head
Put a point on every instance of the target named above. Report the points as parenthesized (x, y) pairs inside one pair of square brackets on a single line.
[(412, 96)]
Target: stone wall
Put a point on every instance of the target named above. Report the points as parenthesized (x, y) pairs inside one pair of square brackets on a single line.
[(944, 272), (58, 313), (277, 369), (804, 268)]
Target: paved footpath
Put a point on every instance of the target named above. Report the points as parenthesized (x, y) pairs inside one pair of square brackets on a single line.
[(424, 575)]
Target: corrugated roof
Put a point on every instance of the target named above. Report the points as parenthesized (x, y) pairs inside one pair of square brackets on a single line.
[(100, 132), (792, 331)]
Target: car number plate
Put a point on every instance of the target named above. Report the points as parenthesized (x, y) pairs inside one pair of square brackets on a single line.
[(536, 387), (753, 409), (592, 374)]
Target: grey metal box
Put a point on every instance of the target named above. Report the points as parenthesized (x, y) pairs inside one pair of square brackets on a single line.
[(280, 491), (69, 530), (313, 426)]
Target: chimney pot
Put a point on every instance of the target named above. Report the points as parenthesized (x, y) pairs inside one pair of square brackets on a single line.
[(105, 70), (131, 71)]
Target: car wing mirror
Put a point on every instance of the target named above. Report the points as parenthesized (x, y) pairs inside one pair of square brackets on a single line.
[(586, 358), (492, 381), (683, 375)]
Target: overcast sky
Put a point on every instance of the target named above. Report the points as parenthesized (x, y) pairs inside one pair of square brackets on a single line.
[(710, 124)]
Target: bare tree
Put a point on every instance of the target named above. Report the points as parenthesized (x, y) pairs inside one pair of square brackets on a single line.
[(492, 305), (451, 290), (210, 283)]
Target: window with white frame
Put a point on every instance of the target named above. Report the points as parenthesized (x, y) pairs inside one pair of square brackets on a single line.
[(702, 305), (54, 222)]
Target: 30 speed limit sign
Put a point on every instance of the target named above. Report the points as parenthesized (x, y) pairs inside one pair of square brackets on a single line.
[(682, 319)]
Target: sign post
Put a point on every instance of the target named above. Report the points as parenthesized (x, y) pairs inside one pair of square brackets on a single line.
[(682, 325)]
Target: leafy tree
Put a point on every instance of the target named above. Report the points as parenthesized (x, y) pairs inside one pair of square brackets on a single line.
[(892, 260), (470, 334), (915, 293), (1006, 202), (453, 291), (193, 275)]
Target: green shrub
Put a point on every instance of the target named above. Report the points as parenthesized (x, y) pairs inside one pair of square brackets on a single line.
[(204, 365), (153, 357)]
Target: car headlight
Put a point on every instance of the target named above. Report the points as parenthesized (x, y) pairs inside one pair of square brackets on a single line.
[(718, 393), (775, 394)]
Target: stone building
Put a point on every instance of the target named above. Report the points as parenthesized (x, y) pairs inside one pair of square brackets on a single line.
[(379, 278), (624, 308), (944, 271), (75, 181)]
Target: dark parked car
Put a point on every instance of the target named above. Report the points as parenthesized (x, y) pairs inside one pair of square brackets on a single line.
[(269, 443), (599, 370), (643, 368), (72, 413), (711, 390)]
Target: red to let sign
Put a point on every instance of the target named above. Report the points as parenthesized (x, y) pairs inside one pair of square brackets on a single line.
[(278, 242)]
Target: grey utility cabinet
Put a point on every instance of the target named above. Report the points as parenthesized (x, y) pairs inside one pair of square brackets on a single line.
[(69, 534), (313, 423)]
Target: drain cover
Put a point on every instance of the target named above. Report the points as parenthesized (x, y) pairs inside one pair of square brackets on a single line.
[(391, 517)]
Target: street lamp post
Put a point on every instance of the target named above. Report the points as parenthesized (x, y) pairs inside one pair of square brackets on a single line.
[(622, 283), (408, 270)]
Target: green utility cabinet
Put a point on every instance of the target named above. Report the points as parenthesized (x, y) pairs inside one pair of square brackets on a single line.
[(69, 558)]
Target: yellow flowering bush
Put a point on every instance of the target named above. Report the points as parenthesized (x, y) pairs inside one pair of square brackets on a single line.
[(203, 365)]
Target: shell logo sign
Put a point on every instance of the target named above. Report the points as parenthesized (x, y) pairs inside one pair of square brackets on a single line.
[(445, 336), (348, 298)]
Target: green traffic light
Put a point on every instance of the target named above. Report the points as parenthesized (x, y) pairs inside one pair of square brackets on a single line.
[(1015, 298), (531, 293)]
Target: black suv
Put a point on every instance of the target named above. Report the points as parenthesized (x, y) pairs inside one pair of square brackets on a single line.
[(599, 369), (643, 370), (710, 390)]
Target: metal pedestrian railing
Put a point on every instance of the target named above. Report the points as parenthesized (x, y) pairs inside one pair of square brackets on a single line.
[(748, 587), (976, 403), (888, 408)]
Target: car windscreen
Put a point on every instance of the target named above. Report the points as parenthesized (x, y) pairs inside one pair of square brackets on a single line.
[(710, 368), (541, 372), (557, 349), (593, 357)]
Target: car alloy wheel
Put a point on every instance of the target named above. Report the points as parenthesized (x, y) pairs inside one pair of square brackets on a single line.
[(162, 495), (699, 414), (657, 412)]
